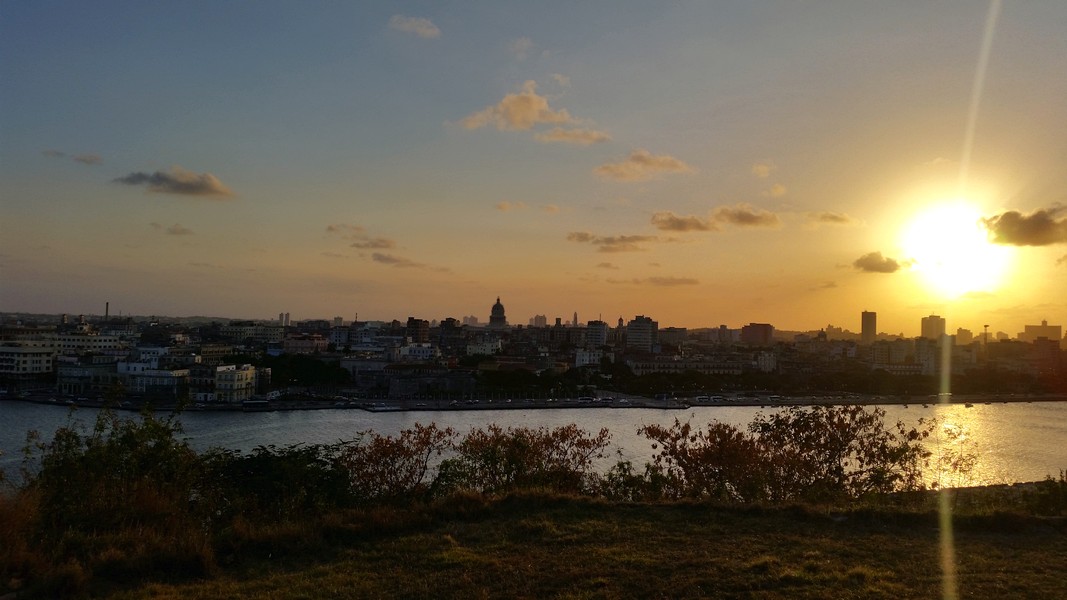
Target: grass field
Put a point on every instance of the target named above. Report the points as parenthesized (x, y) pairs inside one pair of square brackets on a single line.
[(531, 546)]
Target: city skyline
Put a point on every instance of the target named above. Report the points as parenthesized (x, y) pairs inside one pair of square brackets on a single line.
[(720, 163)]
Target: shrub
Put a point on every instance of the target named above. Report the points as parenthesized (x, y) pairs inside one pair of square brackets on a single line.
[(496, 460), (394, 469)]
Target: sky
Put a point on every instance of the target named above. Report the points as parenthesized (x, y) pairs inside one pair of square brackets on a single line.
[(701, 163)]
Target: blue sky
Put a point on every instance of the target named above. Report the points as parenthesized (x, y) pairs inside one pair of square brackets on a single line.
[(738, 158)]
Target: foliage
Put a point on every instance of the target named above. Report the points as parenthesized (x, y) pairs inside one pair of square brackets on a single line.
[(831, 452), (394, 468), (495, 460)]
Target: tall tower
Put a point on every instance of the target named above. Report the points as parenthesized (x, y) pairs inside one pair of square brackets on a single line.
[(933, 327), (868, 327)]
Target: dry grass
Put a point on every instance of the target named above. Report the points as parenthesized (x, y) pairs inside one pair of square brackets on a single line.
[(552, 547)]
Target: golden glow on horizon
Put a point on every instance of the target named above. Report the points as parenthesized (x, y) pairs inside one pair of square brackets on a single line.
[(950, 248)]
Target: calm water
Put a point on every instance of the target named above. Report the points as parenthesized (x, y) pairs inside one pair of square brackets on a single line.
[(1014, 442)]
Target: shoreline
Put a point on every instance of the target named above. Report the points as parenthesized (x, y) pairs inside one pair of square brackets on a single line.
[(297, 402)]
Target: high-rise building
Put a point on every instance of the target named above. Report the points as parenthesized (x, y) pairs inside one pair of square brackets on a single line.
[(933, 327), (868, 327), (642, 333)]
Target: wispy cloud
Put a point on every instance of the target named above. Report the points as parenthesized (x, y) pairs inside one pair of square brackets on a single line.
[(175, 229), (763, 170), (505, 206), (874, 262), (521, 47), (178, 181), (607, 265), (550, 209), (374, 243), (775, 191), (88, 159), (518, 111), (561, 80), (396, 261), (826, 285), (657, 281), (612, 243), (582, 137), (1040, 228), (642, 165), (830, 218), (419, 26), (344, 229), (85, 159)]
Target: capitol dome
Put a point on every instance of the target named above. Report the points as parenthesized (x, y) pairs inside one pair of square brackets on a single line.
[(497, 319)]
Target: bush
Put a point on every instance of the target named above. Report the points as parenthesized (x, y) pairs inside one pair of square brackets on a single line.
[(394, 469), (495, 460)]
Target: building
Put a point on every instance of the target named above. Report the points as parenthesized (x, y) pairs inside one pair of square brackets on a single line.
[(234, 384), (497, 319), (1044, 330), (757, 334), (418, 330), (642, 333), (868, 327), (596, 334), (933, 327)]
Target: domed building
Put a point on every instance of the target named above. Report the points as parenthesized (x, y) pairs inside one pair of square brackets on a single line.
[(497, 320)]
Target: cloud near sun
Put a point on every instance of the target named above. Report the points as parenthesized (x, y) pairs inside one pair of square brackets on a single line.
[(741, 215), (1041, 228), (874, 262), (526, 109), (178, 181)]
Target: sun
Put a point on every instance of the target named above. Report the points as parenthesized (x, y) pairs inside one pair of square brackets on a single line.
[(948, 246)]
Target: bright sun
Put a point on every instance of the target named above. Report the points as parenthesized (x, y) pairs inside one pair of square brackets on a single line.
[(948, 246)]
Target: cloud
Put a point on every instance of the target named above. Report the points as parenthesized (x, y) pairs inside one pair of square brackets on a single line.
[(421, 27), (776, 191), (518, 111), (562, 80), (612, 243), (1041, 228), (830, 218), (396, 261), (763, 170), (88, 159), (332, 254), (178, 181), (1061, 260), (521, 47), (658, 281), (827, 285), (583, 137), (344, 229), (606, 265), (641, 165), (177, 229), (505, 206), (54, 153), (378, 242), (550, 209), (745, 215), (668, 221), (874, 262)]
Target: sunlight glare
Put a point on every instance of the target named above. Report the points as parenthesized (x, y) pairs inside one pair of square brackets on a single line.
[(948, 245)]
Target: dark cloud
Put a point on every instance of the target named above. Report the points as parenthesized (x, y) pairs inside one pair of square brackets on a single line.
[(874, 262), (1041, 228), (830, 218), (744, 215), (396, 261), (668, 221), (177, 229), (178, 181), (379, 242), (343, 228), (88, 159), (612, 243)]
